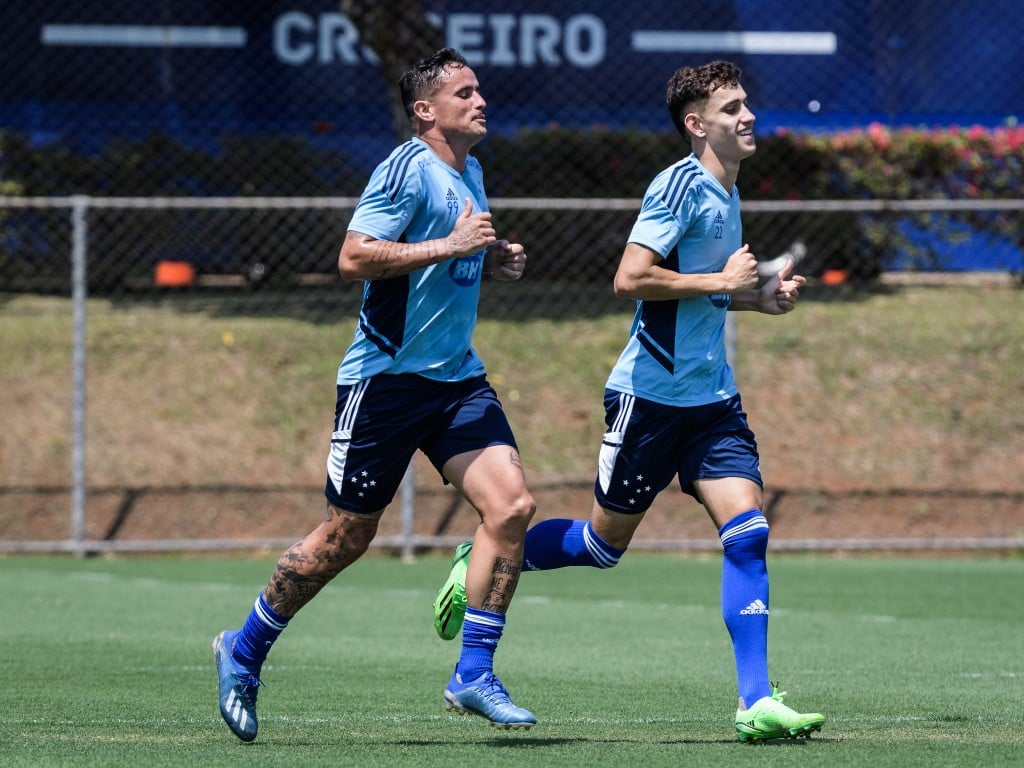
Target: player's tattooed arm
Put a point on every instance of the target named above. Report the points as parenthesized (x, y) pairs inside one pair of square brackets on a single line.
[(365, 258)]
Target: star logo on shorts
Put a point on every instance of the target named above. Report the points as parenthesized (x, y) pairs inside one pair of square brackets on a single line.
[(364, 481)]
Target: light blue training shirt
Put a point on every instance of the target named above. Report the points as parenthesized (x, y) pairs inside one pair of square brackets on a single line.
[(421, 322), (676, 350)]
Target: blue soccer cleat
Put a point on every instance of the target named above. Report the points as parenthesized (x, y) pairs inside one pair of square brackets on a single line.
[(238, 689), (487, 698)]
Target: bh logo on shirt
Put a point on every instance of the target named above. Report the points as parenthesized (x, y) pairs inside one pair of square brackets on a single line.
[(465, 271), (720, 300)]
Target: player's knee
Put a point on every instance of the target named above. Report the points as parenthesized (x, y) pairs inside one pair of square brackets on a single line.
[(346, 536), (522, 510), (354, 547), (513, 518)]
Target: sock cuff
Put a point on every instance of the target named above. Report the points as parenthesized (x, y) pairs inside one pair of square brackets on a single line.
[(749, 524), (484, 618), (603, 553), (268, 615)]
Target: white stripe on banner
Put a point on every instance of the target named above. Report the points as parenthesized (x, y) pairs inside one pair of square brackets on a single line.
[(787, 43), (128, 36)]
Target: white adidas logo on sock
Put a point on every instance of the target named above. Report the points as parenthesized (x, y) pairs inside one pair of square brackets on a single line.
[(755, 608)]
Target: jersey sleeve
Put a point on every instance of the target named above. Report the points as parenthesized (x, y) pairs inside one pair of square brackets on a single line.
[(386, 206), (659, 227)]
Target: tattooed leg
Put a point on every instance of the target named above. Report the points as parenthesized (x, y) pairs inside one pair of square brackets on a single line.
[(504, 580), (492, 480), (308, 565)]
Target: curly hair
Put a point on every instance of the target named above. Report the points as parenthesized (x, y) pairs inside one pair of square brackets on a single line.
[(689, 88), (423, 78)]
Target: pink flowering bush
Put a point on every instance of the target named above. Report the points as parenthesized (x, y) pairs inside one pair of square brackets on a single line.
[(945, 163), (883, 163)]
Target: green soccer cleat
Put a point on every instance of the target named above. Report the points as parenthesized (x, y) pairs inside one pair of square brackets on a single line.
[(450, 603), (769, 718)]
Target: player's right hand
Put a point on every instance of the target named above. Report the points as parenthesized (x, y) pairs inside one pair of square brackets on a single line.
[(740, 271), (472, 232)]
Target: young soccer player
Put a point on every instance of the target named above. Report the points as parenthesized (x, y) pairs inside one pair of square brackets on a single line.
[(421, 238), (672, 406)]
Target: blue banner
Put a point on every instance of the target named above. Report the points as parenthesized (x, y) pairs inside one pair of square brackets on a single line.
[(197, 67)]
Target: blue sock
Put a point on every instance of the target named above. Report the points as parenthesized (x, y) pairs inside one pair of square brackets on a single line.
[(745, 600), (481, 632), (560, 543), (261, 629)]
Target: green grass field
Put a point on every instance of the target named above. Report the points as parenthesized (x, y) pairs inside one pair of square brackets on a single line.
[(916, 662)]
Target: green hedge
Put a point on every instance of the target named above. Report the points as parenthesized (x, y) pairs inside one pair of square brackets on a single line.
[(876, 162)]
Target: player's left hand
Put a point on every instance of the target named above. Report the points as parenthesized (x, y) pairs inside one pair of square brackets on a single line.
[(505, 260), (778, 296)]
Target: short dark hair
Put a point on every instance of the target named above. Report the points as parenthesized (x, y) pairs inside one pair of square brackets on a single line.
[(423, 77), (690, 87)]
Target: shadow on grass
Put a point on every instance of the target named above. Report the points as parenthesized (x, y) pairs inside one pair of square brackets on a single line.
[(515, 741)]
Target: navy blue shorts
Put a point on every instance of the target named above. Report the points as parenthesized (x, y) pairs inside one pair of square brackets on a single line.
[(380, 422), (647, 444)]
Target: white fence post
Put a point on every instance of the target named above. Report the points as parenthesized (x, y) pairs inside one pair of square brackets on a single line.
[(79, 255)]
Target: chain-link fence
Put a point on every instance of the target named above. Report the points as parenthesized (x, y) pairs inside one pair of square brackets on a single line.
[(217, 148), (862, 100)]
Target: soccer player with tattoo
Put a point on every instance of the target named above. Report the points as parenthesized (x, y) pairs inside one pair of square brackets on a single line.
[(421, 238)]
